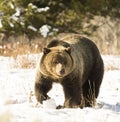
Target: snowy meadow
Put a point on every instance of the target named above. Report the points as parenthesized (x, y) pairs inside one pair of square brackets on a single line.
[(18, 103)]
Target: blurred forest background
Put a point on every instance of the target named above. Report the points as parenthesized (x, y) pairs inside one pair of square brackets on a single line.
[(25, 25)]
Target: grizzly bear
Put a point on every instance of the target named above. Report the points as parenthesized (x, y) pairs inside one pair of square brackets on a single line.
[(74, 62)]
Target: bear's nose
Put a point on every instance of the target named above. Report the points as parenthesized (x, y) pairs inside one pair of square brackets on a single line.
[(62, 71)]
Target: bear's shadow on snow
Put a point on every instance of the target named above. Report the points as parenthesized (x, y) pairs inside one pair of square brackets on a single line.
[(112, 107)]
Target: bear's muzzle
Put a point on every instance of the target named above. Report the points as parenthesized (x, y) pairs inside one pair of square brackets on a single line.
[(60, 70)]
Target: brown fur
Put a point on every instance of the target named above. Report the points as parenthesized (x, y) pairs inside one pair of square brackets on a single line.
[(79, 68)]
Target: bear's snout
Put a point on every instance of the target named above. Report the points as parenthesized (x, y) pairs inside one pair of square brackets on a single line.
[(60, 71)]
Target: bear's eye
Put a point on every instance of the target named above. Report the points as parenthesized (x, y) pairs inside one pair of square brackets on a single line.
[(65, 62), (55, 62)]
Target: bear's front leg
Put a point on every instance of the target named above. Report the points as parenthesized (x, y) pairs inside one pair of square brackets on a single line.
[(41, 89), (73, 95), (74, 102)]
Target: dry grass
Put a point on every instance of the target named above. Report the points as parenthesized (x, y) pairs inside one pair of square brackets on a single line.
[(25, 61), (15, 46)]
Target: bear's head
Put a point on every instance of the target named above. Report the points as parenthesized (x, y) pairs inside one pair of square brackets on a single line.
[(56, 62)]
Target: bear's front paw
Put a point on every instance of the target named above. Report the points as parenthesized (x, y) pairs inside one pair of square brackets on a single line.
[(59, 107), (41, 98), (73, 103)]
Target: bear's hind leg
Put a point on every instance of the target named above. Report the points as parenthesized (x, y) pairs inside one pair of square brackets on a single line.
[(89, 93), (92, 85)]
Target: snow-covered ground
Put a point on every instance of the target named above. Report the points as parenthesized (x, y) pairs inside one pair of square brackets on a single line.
[(17, 105)]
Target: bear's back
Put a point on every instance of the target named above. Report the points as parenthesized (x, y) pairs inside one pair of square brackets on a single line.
[(72, 40), (56, 42), (81, 44)]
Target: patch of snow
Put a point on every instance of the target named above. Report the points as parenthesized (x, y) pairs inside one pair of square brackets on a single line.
[(13, 17), (49, 104), (11, 24), (32, 28), (44, 30), (11, 5), (38, 9), (42, 9), (32, 6), (17, 12), (111, 62), (57, 94), (22, 23), (0, 23)]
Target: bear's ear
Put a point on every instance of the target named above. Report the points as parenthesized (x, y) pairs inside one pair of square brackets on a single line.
[(68, 50), (46, 50)]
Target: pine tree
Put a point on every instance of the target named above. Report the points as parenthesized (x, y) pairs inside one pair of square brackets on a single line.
[(29, 16), (22, 17)]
